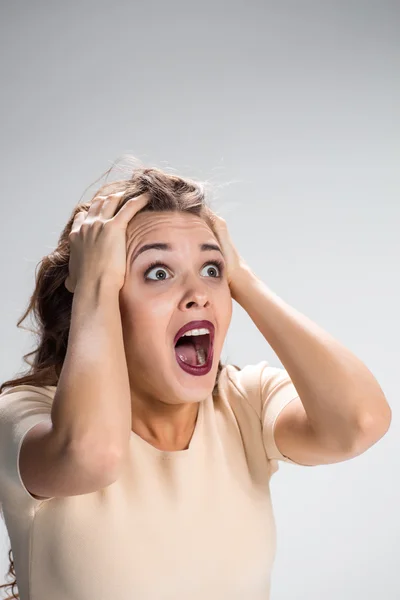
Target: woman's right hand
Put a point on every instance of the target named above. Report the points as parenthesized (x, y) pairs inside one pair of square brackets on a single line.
[(98, 241)]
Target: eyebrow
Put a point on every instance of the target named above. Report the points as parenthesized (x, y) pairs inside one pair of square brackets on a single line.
[(163, 246)]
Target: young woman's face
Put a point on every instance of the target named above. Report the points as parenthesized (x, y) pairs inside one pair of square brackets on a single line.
[(156, 302)]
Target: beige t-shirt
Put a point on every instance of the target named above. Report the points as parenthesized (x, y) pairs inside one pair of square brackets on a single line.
[(193, 524)]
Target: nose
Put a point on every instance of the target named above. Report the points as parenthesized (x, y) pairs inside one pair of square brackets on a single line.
[(196, 294)]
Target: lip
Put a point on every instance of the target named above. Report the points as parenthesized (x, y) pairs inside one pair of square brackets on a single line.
[(196, 325)]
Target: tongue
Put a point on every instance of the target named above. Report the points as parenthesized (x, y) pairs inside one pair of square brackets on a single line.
[(187, 352)]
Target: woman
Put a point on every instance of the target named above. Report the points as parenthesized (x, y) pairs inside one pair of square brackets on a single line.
[(133, 463)]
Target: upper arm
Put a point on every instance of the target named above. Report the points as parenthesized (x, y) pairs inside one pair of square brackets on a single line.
[(297, 440), (49, 470), (286, 430)]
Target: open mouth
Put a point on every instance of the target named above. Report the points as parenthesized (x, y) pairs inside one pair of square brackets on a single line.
[(194, 346), (194, 350)]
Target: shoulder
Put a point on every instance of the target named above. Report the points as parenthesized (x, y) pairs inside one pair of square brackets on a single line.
[(24, 401), (243, 382), (260, 384)]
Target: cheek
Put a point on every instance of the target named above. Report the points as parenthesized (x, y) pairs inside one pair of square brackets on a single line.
[(148, 326), (225, 306), (223, 313), (159, 310)]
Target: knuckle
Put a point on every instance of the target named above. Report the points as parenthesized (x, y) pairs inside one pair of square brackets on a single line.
[(108, 225)]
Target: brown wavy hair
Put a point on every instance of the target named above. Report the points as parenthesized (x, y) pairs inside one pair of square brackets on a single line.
[(51, 303)]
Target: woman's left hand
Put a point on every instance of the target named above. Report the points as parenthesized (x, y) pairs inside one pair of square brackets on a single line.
[(235, 265)]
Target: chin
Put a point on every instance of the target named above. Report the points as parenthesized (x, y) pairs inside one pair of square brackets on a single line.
[(193, 388)]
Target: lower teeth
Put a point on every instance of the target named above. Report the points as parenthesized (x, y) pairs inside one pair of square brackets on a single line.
[(201, 357)]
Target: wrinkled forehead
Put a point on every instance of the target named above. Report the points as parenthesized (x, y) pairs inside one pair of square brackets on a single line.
[(166, 224)]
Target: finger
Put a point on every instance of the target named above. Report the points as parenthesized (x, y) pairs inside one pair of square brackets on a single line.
[(104, 205), (130, 208), (210, 213), (78, 220)]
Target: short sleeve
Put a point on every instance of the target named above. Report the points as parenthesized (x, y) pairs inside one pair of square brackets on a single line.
[(21, 408), (268, 390), (276, 392)]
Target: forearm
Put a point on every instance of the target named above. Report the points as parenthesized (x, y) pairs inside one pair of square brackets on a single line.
[(92, 401), (339, 394)]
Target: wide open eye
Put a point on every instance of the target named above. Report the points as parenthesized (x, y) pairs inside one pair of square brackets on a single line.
[(219, 268), (157, 267)]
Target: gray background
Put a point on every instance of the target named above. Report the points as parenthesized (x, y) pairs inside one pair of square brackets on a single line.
[(291, 109)]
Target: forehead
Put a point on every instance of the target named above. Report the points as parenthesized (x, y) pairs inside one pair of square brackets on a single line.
[(166, 223)]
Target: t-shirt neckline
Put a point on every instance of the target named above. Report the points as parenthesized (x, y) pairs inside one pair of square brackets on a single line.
[(174, 454)]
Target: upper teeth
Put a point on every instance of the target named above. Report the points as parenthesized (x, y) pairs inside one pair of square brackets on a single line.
[(202, 331)]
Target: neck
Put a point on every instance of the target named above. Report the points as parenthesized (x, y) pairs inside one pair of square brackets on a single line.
[(170, 427)]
